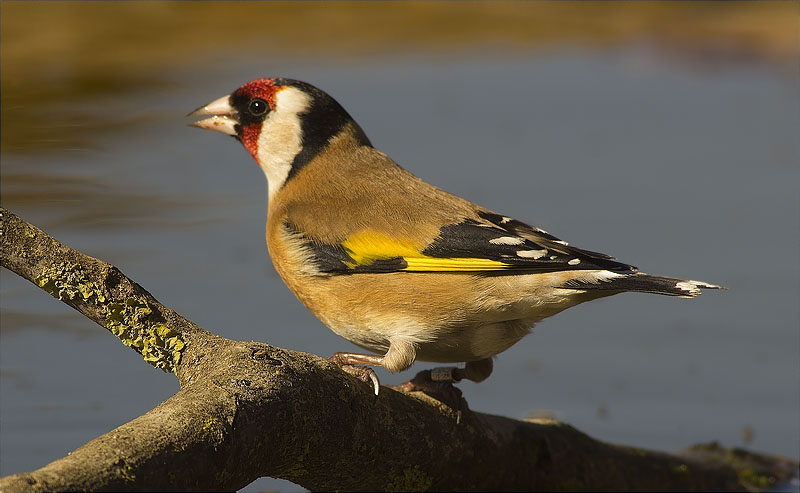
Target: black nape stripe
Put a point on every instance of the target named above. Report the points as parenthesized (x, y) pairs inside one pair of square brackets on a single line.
[(323, 120)]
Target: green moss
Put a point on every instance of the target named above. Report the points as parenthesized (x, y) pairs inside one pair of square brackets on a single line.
[(411, 479), (158, 344), (66, 281)]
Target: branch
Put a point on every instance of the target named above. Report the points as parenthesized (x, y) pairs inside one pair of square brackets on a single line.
[(247, 410)]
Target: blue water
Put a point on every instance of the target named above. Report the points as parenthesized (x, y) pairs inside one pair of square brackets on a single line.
[(679, 170)]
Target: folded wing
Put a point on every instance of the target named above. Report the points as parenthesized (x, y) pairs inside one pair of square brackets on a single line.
[(486, 243)]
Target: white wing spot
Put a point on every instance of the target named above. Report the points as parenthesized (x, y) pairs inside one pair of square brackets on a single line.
[(701, 284), (596, 277), (552, 257), (507, 240), (531, 253), (574, 261), (561, 242), (690, 286)]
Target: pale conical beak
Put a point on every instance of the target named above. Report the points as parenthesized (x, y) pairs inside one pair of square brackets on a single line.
[(224, 119)]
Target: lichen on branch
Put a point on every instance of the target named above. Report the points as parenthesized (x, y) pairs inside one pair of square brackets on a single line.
[(83, 283)]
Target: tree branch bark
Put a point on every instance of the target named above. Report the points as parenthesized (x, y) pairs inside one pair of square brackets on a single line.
[(246, 410)]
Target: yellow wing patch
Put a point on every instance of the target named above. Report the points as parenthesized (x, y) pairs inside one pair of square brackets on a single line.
[(453, 264), (369, 246)]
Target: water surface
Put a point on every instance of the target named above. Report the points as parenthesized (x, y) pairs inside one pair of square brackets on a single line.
[(680, 171)]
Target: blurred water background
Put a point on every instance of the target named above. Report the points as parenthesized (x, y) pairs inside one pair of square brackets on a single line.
[(665, 134)]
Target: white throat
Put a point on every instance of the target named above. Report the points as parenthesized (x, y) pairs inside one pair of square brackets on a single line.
[(281, 137)]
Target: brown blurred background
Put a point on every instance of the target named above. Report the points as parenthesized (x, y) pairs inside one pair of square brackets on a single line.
[(56, 51)]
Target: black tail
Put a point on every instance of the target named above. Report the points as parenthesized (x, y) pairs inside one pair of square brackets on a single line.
[(645, 283)]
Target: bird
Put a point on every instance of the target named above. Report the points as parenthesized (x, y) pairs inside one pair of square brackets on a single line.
[(396, 265)]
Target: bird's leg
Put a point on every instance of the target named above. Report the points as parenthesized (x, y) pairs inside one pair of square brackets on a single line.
[(477, 371), (440, 381), (348, 363)]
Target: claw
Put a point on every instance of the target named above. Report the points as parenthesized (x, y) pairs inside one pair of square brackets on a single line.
[(375, 383), (351, 363), (363, 373)]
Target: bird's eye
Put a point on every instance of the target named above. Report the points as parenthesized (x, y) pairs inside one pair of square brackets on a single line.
[(257, 107)]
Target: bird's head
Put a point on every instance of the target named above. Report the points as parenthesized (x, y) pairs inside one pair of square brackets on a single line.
[(283, 123)]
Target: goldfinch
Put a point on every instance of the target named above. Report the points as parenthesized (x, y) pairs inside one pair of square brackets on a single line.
[(396, 265)]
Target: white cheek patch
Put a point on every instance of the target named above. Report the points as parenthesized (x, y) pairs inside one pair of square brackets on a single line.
[(281, 137)]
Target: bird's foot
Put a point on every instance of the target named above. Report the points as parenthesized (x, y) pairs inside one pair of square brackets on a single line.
[(348, 363), (363, 373), (437, 383)]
